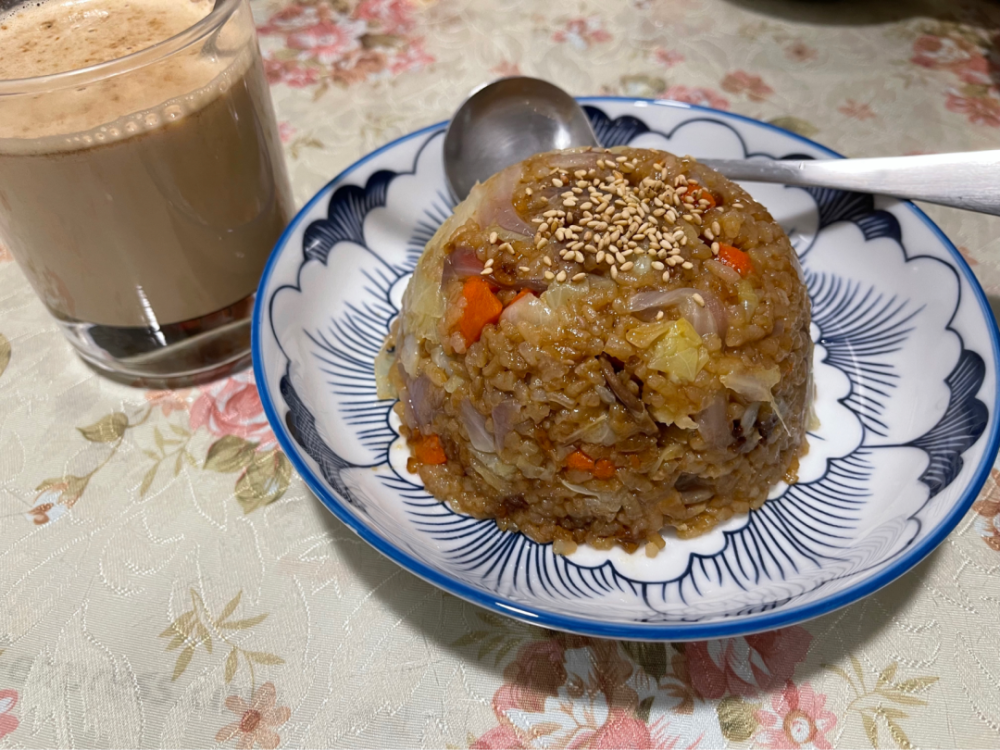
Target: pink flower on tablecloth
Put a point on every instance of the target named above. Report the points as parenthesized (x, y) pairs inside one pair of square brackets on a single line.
[(704, 97), (388, 16), (8, 722), (667, 57), (305, 43), (739, 82), (168, 401), (257, 721), (981, 109), (856, 110), (582, 693), (988, 509), (582, 32), (506, 69), (800, 52), (796, 719), (941, 52), (232, 407), (749, 665)]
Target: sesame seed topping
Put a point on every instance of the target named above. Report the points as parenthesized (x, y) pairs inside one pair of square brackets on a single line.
[(715, 248), (657, 265), (549, 275), (600, 256), (507, 247), (628, 266), (716, 228), (493, 238), (659, 315), (561, 276), (523, 269), (550, 213), (579, 257), (687, 265), (737, 205), (580, 276), (614, 272), (557, 182), (621, 159), (528, 191), (486, 271), (541, 243), (699, 299), (709, 235), (666, 276), (547, 260)]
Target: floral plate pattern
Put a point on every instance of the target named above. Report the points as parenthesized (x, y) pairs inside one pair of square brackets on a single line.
[(905, 365)]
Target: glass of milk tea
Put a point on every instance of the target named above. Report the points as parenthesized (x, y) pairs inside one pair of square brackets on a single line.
[(142, 184)]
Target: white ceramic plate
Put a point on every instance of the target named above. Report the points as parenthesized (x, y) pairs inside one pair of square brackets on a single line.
[(905, 364)]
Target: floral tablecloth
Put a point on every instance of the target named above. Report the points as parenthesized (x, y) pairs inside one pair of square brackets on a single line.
[(165, 579)]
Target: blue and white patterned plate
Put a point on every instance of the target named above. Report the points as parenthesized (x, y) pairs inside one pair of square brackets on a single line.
[(906, 371)]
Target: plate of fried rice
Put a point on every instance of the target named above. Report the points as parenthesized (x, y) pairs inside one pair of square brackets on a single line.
[(614, 393)]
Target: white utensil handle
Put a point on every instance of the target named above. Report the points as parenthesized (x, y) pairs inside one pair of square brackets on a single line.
[(969, 180)]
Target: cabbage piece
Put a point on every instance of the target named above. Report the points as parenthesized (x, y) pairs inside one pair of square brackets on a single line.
[(383, 364), (644, 334), (531, 316), (753, 385), (679, 352), (748, 298)]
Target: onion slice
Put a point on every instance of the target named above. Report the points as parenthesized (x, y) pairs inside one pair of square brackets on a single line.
[(635, 407)]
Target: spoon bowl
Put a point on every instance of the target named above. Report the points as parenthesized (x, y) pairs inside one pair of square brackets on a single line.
[(507, 121)]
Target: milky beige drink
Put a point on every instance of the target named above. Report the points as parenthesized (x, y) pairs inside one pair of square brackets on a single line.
[(141, 197)]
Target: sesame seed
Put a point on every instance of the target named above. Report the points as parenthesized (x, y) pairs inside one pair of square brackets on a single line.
[(569, 203), (628, 266), (699, 299), (493, 238), (609, 259), (541, 243), (528, 191), (523, 269), (578, 190), (580, 276), (507, 247), (715, 248), (687, 217), (680, 190), (569, 218), (666, 276), (614, 272), (547, 260), (560, 234), (716, 228), (557, 182), (684, 240), (580, 173), (687, 265), (659, 315), (579, 257), (737, 205), (619, 257), (550, 213), (586, 206), (486, 271), (600, 163), (709, 235), (621, 159), (549, 275), (600, 256), (657, 266)]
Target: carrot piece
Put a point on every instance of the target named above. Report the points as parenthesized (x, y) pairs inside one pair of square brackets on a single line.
[(735, 258), (703, 194), (604, 469), (522, 293), (579, 461), (482, 307), (428, 450)]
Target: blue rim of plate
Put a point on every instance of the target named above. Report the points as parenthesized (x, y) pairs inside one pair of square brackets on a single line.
[(542, 618)]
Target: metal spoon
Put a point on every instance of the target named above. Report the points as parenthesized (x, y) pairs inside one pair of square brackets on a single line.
[(514, 118), (507, 121)]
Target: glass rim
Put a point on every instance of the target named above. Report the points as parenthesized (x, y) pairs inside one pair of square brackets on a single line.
[(220, 12)]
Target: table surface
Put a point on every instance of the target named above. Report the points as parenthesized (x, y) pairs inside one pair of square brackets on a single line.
[(151, 597)]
